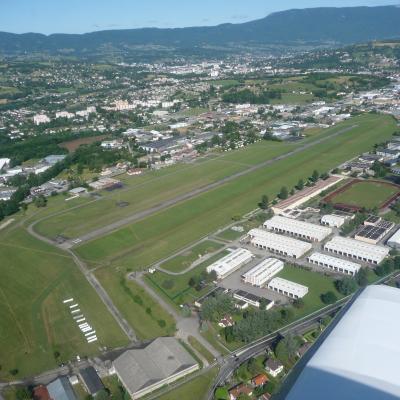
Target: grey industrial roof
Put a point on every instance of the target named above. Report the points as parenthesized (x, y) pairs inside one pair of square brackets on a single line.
[(61, 389), (162, 358), (357, 357), (91, 380)]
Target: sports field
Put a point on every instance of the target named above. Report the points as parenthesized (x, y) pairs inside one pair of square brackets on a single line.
[(365, 194), (35, 279), (159, 235)]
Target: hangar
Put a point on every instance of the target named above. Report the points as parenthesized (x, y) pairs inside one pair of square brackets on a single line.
[(263, 271), (288, 288), (335, 264)]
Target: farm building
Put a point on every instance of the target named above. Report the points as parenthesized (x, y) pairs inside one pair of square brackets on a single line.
[(299, 229), (302, 196), (332, 220), (335, 264), (288, 288), (263, 271), (163, 361), (252, 299), (394, 240), (278, 244), (230, 263), (356, 249)]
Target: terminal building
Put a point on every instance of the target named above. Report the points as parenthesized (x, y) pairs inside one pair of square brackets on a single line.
[(263, 272), (230, 263), (278, 244), (288, 288), (352, 248), (334, 264), (300, 229)]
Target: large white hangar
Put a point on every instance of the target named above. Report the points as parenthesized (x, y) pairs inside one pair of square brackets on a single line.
[(299, 229), (335, 264), (278, 244), (263, 271), (351, 248), (230, 263)]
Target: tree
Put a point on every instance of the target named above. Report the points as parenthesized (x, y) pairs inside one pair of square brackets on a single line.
[(298, 303), (283, 194), (264, 202), (315, 175), (346, 286), (286, 348), (361, 277), (328, 297), (221, 393), (40, 201), (300, 184), (23, 393), (103, 395)]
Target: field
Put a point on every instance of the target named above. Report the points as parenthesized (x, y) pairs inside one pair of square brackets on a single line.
[(317, 284), (161, 234), (184, 260), (363, 194), (141, 311), (72, 145), (35, 279)]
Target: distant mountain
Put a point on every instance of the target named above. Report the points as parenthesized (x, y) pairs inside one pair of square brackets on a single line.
[(314, 26)]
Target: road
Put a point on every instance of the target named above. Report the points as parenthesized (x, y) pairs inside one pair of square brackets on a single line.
[(189, 195)]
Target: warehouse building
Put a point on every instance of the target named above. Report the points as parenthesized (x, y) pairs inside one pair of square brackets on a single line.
[(394, 240), (299, 229), (144, 370), (334, 264), (332, 220), (263, 272), (278, 244), (288, 288), (356, 249), (230, 263), (252, 299)]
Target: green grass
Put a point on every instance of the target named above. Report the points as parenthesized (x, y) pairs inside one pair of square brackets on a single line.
[(367, 194), (196, 389), (211, 336), (201, 349), (35, 279), (141, 311), (317, 284), (392, 216), (185, 260), (159, 235)]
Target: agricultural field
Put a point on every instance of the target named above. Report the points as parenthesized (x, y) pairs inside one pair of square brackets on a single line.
[(141, 311), (186, 259), (72, 145), (35, 323), (365, 194), (159, 235)]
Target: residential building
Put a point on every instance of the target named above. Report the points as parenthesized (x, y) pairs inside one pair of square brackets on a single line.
[(40, 119), (61, 389), (240, 389), (288, 288), (260, 380), (263, 271), (91, 381), (274, 367)]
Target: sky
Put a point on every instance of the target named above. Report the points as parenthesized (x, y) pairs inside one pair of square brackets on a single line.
[(79, 16)]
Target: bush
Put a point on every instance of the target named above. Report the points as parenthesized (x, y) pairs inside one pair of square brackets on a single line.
[(346, 286), (328, 297)]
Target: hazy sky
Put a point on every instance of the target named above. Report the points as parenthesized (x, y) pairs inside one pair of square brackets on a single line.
[(77, 16)]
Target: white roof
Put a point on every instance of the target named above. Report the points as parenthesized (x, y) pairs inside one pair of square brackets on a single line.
[(230, 261), (279, 242), (264, 270), (288, 286), (335, 262), (395, 238), (359, 359), (333, 219), (358, 248), (298, 227)]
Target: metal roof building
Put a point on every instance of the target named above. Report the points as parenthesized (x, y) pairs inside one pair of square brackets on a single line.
[(278, 244), (163, 361), (230, 263), (333, 220), (299, 229), (61, 389), (357, 356), (394, 240), (91, 380), (263, 271), (356, 249), (288, 288), (334, 263)]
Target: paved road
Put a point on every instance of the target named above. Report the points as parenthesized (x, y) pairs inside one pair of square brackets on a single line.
[(196, 192)]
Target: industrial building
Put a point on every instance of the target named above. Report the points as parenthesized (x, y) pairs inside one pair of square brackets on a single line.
[(394, 240), (230, 263), (332, 220), (356, 249), (263, 272), (278, 244), (300, 229), (252, 299), (144, 370), (334, 264), (288, 288)]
